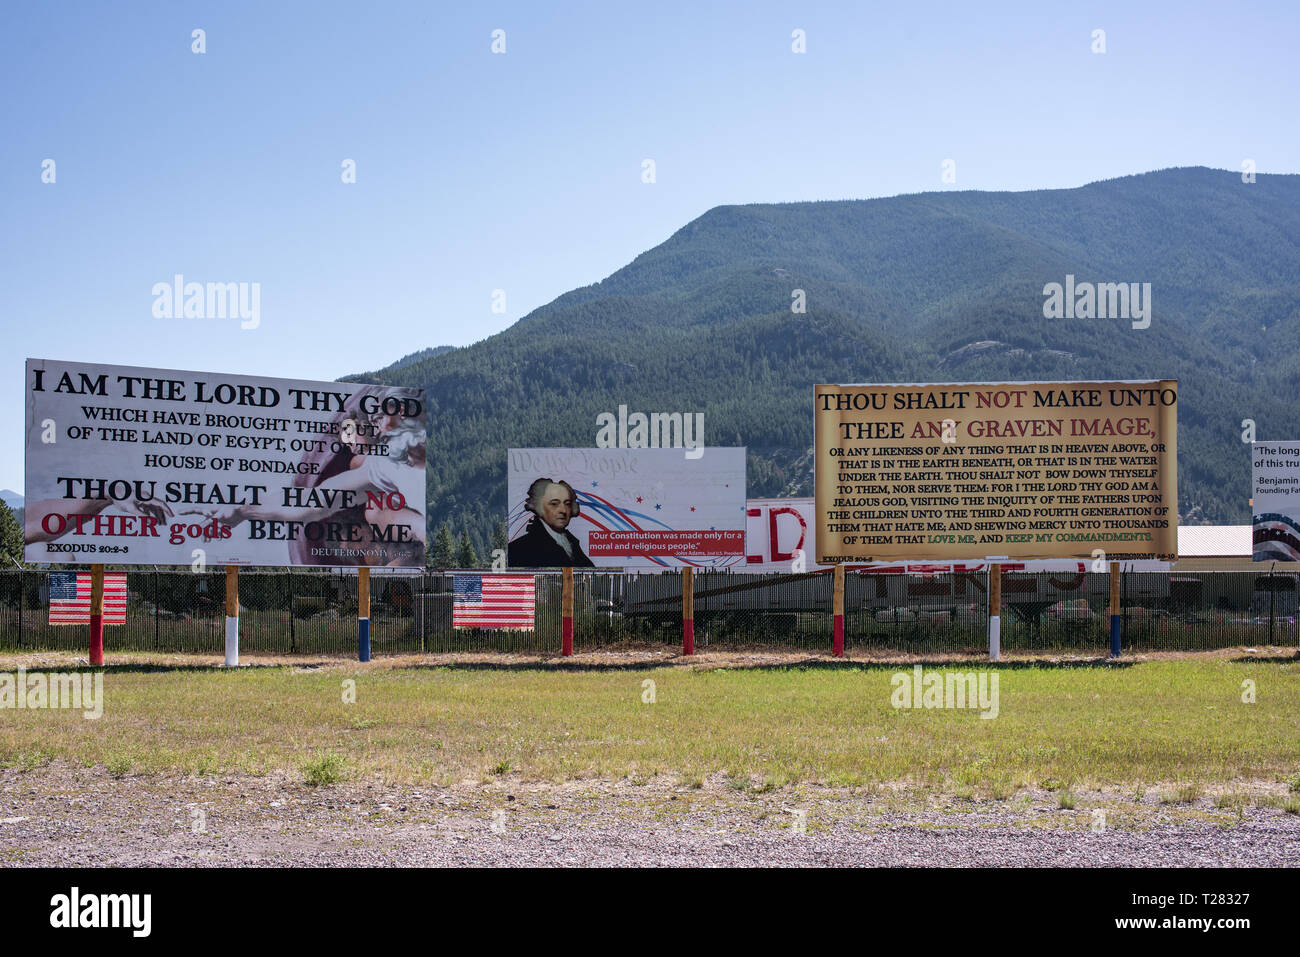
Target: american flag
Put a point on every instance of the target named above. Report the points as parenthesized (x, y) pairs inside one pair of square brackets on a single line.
[(493, 601), (70, 598)]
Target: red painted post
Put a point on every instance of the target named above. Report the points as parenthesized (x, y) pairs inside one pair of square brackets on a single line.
[(837, 625), (688, 610), (566, 609), (96, 614)]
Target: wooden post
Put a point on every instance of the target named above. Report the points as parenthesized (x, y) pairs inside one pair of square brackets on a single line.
[(566, 611), (688, 610), (1116, 613), (363, 613), (232, 616), (995, 612), (96, 614), (837, 622)]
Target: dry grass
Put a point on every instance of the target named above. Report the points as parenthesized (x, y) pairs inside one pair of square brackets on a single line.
[(1070, 725)]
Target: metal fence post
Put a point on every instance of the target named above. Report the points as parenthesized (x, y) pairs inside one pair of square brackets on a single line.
[(1272, 603), (688, 610), (1116, 621), (293, 637), (22, 600), (1123, 594)]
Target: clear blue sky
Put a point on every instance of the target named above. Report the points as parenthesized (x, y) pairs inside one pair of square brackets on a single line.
[(522, 171)]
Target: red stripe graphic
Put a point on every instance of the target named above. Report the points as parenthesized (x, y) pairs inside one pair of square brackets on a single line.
[(76, 611), (506, 601)]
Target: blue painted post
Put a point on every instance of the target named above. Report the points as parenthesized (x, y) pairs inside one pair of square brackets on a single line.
[(363, 613)]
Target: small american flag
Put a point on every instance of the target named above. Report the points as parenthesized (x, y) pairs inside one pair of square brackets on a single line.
[(493, 601), (70, 598)]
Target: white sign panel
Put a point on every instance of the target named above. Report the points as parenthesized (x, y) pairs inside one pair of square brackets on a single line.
[(779, 536), (132, 466), (659, 508)]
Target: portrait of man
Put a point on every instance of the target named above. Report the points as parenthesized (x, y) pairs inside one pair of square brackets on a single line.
[(546, 541)]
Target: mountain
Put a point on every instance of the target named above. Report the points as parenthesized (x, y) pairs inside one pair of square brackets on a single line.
[(420, 356), (11, 498), (937, 287)]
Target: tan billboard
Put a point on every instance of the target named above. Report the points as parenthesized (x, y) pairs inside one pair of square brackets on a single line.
[(941, 472)]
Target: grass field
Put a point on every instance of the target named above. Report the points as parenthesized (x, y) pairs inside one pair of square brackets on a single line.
[(1178, 723)]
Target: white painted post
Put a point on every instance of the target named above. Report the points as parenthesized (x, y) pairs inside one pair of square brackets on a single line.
[(232, 616), (995, 612)]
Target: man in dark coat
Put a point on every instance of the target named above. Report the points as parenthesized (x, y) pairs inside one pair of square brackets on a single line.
[(547, 541)]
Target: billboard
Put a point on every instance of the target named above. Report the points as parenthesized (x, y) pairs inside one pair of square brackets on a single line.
[(134, 466), (776, 531), (1276, 501), (943, 472), (644, 507)]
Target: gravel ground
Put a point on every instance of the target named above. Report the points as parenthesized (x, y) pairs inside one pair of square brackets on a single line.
[(71, 816)]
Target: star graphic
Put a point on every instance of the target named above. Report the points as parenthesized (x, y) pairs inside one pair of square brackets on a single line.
[(692, 508), (638, 498), (657, 507), (594, 484)]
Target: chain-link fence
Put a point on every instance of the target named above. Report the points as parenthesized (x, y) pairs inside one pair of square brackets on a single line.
[(315, 612)]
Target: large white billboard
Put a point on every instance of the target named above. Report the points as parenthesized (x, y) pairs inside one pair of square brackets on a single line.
[(640, 507), (134, 466), (1276, 501)]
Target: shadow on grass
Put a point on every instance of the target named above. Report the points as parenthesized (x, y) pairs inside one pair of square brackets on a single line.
[(136, 667), (1270, 660), (558, 663), (949, 660)]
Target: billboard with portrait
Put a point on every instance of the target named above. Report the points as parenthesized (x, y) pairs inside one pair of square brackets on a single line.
[(643, 507), (1275, 501)]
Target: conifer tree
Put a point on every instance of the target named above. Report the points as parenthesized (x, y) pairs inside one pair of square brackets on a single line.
[(443, 550), (466, 557)]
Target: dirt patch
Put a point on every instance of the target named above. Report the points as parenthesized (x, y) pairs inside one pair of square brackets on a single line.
[(623, 656)]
